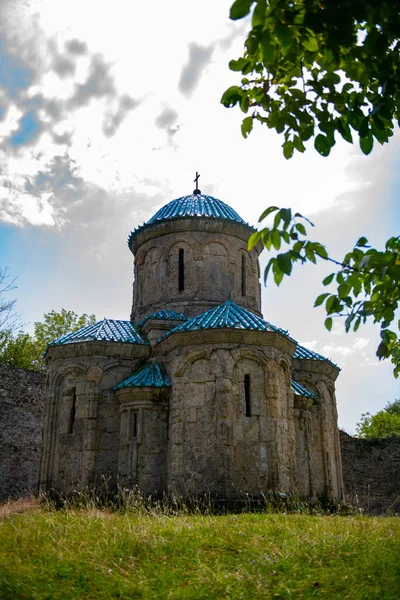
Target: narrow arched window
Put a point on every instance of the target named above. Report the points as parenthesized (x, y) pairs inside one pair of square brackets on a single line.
[(72, 413), (247, 396), (135, 425), (243, 275), (181, 269)]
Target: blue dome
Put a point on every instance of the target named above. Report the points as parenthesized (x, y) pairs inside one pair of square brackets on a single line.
[(195, 205)]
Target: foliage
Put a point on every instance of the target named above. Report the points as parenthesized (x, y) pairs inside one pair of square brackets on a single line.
[(9, 319), (102, 555), (385, 424), (317, 68), (19, 351), (24, 351), (314, 68), (367, 280), (55, 325)]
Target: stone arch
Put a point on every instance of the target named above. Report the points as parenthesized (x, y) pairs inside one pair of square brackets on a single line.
[(251, 366), (217, 247), (255, 355), (187, 241), (62, 373), (151, 254), (243, 272), (308, 383), (189, 359), (285, 368)]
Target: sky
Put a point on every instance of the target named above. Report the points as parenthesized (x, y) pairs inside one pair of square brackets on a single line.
[(106, 112)]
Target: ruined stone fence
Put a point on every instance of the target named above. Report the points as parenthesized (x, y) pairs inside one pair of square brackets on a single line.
[(371, 468), (21, 417)]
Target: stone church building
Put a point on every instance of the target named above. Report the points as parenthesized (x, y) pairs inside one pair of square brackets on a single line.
[(196, 392)]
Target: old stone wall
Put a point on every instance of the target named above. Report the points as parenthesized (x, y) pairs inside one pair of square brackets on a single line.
[(82, 422), (371, 473), (21, 416), (371, 468), (216, 266)]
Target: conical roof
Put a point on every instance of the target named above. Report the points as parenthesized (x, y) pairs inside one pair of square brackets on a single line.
[(192, 206), (107, 330), (228, 315), (150, 375)]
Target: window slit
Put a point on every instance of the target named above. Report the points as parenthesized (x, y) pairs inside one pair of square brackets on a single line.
[(72, 414), (243, 275), (247, 396), (181, 270)]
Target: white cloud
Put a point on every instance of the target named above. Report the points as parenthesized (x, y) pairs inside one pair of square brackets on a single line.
[(360, 343), (331, 350)]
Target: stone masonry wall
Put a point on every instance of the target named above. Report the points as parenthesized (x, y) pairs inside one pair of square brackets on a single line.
[(216, 267), (371, 468), (371, 473), (21, 416)]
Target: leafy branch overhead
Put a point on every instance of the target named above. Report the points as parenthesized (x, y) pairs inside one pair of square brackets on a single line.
[(366, 280), (318, 68)]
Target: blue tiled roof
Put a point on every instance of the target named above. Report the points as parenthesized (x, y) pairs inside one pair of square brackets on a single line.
[(161, 315), (300, 390), (302, 352), (195, 205), (229, 315), (150, 375), (108, 330)]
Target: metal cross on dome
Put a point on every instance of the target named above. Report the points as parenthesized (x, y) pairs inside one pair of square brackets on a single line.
[(196, 180)]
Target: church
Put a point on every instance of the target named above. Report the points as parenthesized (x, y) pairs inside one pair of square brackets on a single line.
[(197, 392)]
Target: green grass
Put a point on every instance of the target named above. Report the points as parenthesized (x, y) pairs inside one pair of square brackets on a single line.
[(70, 554)]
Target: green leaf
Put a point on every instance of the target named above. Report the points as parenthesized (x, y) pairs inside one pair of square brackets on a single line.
[(367, 143), (238, 65), (362, 242), (276, 239), (285, 262), (244, 103), (254, 239), (288, 149), (231, 96), (284, 34), (267, 212), (344, 130), (258, 14), (328, 279), (320, 250), (328, 323), (239, 9), (247, 126), (310, 43), (322, 145), (310, 254), (268, 48), (300, 228), (278, 273), (320, 299), (286, 215)]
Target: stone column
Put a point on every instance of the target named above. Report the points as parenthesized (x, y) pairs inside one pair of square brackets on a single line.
[(49, 434), (143, 439), (89, 433)]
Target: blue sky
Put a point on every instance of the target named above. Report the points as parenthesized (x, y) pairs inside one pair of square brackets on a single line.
[(103, 121)]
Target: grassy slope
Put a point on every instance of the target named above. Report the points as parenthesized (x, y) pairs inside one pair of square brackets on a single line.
[(92, 554)]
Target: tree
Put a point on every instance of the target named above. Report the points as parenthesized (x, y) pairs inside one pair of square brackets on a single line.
[(385, 424), (316, 68), (20, 351), (25, 351), (55, 325), (9, 318)]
